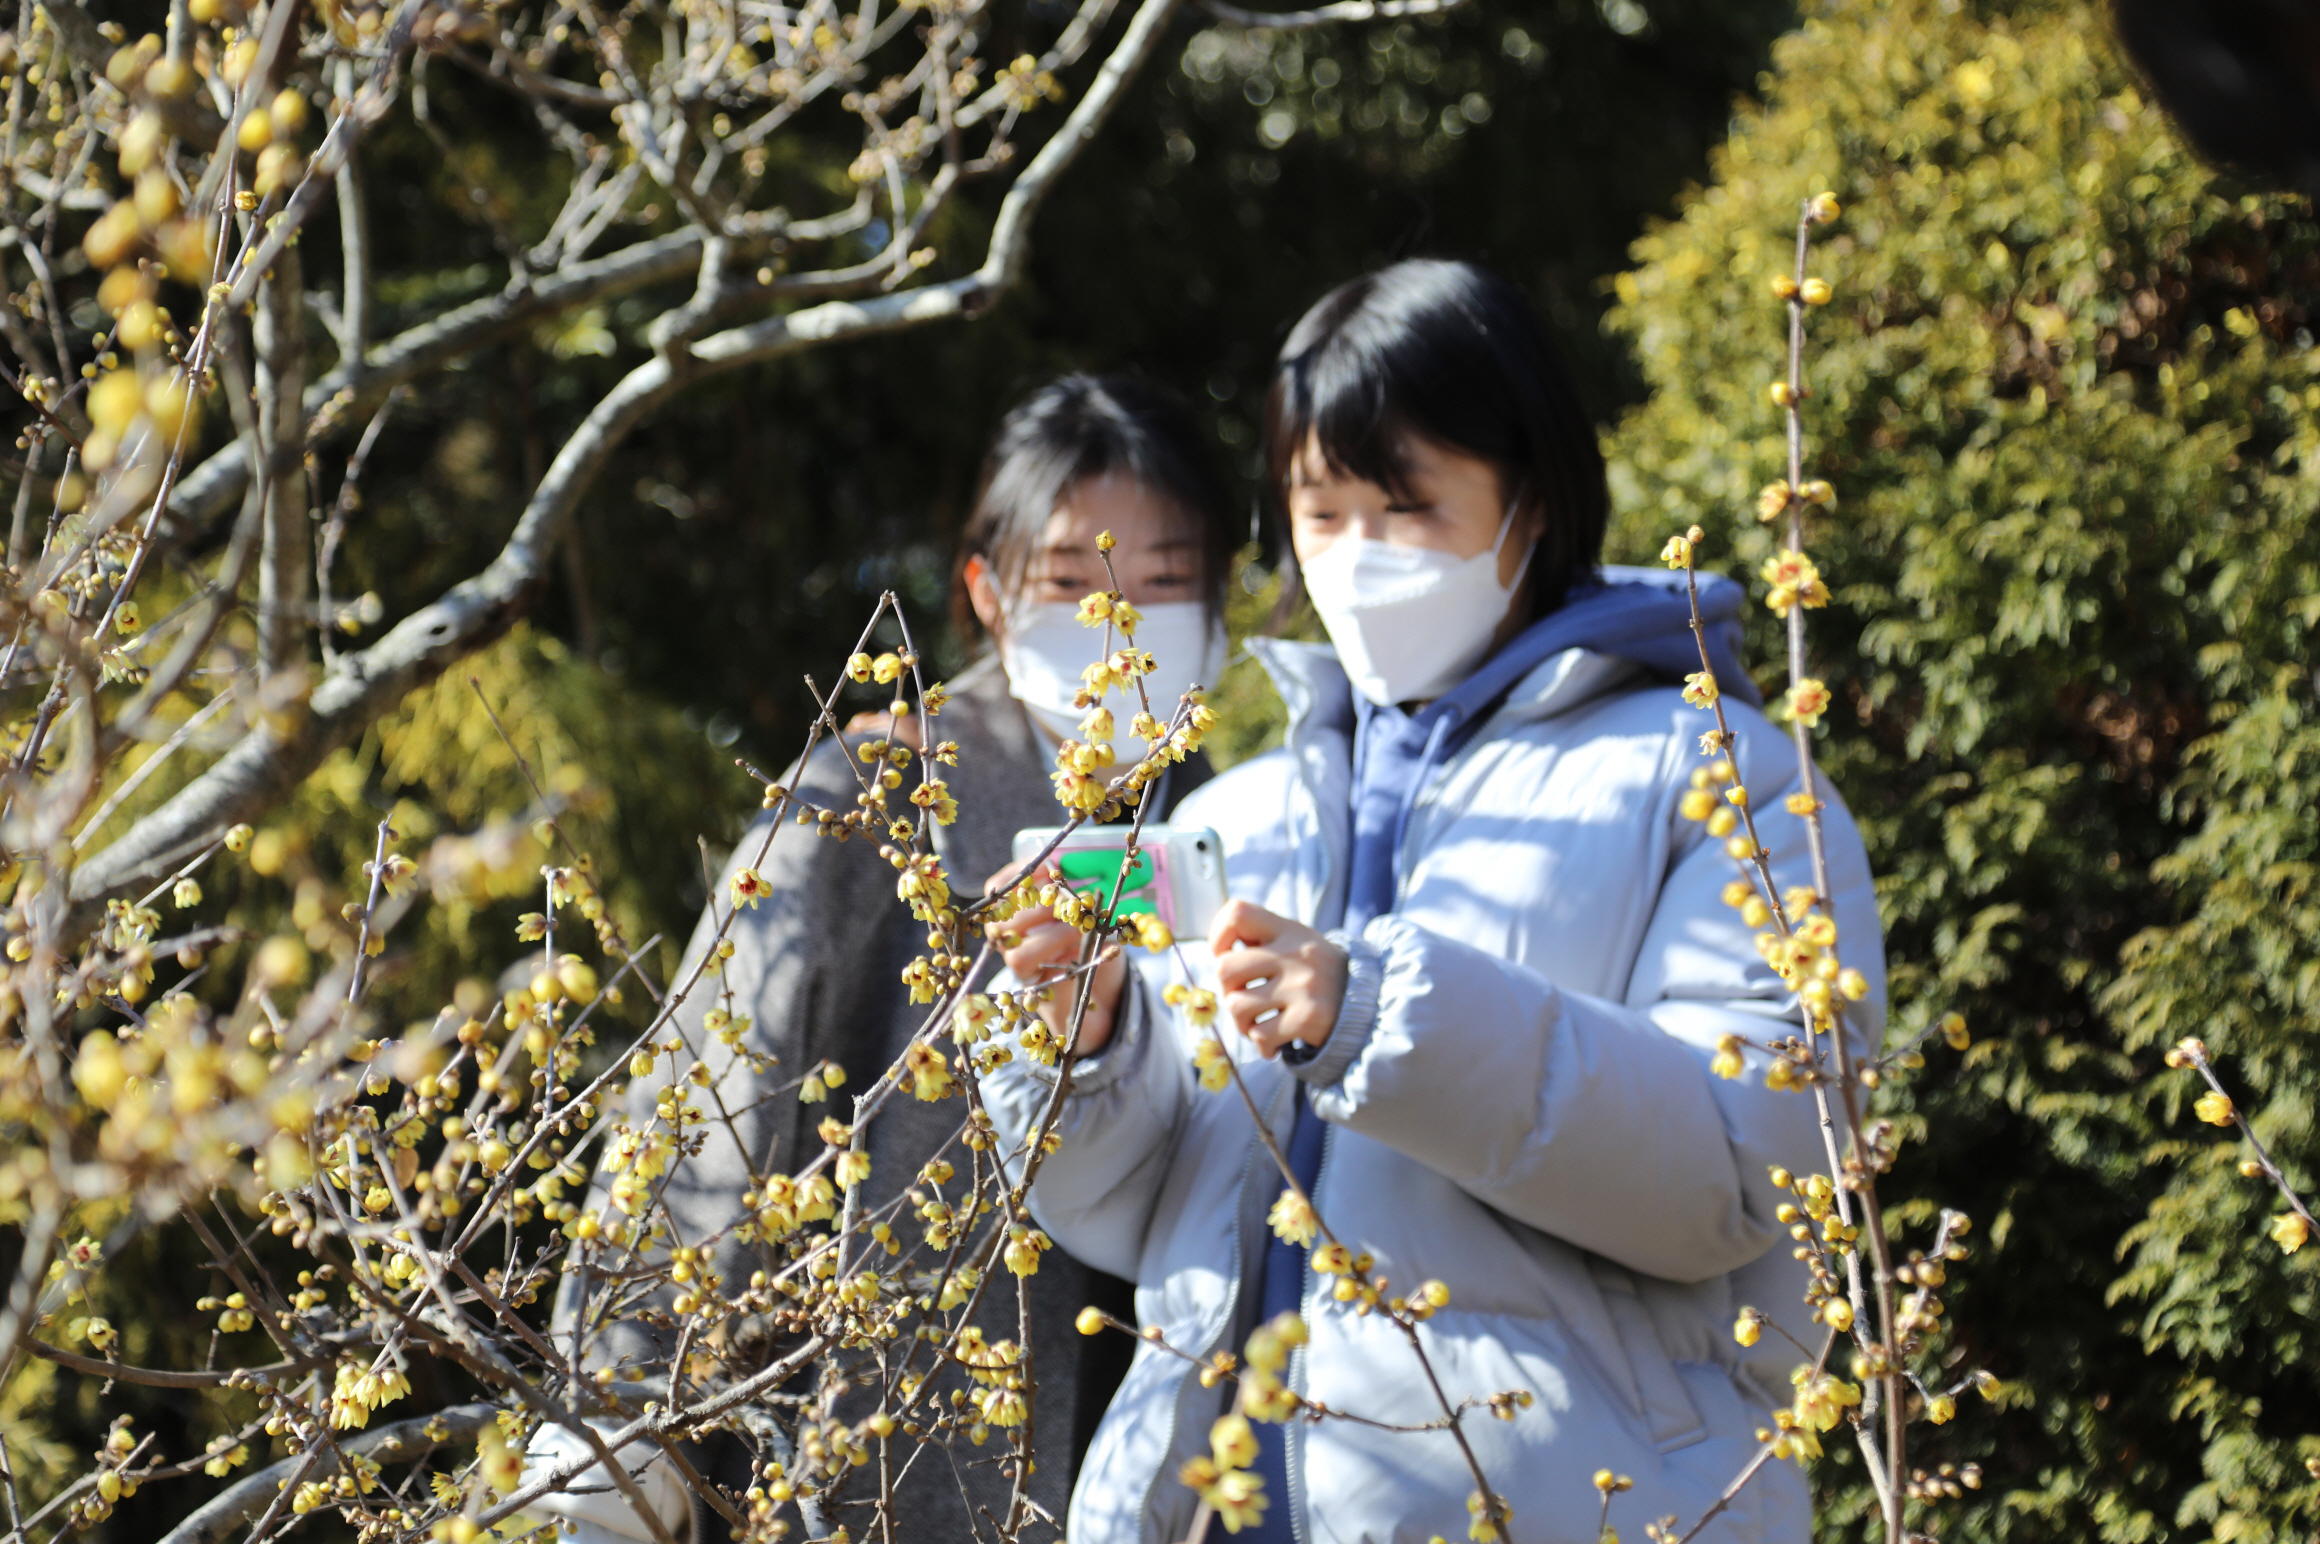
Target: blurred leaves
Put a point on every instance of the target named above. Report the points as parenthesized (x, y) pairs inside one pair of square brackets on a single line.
[(2068, 397)]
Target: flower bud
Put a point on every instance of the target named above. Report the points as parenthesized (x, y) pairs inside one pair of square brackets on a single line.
[(1816, 291)]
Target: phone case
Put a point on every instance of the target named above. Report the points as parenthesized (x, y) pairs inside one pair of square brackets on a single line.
[(1178, 876)]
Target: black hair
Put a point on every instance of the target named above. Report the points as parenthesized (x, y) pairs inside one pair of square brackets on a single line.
[(1451, 353), (1075, 428)]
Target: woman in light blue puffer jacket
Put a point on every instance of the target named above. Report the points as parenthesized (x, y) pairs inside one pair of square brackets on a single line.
[(1480, 965)]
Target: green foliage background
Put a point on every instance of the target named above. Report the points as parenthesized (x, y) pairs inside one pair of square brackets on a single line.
[(2069, 398)]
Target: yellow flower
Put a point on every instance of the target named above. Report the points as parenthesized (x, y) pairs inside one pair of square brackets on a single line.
[(1076, 791), (748, 887), (1151, 932), (1773, 499), (1749, 1327), (2289, 1231), (1677, 553), (886, 669), (2187, 1053), (1212, 1064), (1198, 1003), (1697, 804), (936, 796), (1004, 1407), (1700, 688), (969, 1023), (1953, 1025), (1022, 1251), (396, 875), (1233, 1443), (1940, 1408), (918, 975), (1090, 1321), (930, 1075), (935, 699), (2214, 1108), (1807, 701), (1816, 292), (1126, 617), (1238, 1498), (1822, 1399), (1728, 1062), (1293, 1219), (853, 1168), (1095, 610), (1795, 580)]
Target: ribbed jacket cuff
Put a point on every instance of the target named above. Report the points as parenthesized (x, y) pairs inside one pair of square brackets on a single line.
[(1091, 1074), (1365, 973)]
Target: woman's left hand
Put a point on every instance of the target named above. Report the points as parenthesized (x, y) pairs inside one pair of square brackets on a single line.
[(1282, 981)]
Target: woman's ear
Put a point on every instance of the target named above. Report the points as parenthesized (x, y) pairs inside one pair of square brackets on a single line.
[(983, 595)]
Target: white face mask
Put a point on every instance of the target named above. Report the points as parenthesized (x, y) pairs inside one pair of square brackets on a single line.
[(1044, 648), (1409, 622)]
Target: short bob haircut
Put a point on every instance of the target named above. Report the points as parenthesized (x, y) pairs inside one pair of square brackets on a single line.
[(1451, 353), (1070, 430)]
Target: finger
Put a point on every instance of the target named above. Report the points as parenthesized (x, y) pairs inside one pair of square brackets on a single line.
[(1051, 947), (1243, 923), (1249, 1008), (869, 724), (1245, 967)]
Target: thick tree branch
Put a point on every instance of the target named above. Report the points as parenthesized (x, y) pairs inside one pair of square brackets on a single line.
[(347, 393), (395, 1444), (286, 556), (1327, 15)]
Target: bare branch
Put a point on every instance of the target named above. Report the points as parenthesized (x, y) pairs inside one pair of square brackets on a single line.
[(271, 759), (1328, 15)]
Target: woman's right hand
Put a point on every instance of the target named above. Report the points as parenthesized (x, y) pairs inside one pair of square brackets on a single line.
[(1038, 949)]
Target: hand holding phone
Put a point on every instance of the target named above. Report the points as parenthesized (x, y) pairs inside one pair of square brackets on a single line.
[(1037, 950), (1177, 876)]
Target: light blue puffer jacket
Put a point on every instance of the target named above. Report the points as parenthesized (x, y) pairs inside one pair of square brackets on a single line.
[(1519, 1103)]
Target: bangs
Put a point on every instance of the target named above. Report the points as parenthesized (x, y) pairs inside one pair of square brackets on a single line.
[(1354, 419), (1372, 367)]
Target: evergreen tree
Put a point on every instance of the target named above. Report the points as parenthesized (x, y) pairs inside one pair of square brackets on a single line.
[(2068, 397)]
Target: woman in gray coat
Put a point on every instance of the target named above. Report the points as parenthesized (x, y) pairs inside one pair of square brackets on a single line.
[(816, 965)]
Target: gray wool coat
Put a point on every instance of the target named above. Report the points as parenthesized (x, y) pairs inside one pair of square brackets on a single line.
[(817, 967)]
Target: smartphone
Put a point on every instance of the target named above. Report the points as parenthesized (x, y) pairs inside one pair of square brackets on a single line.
[(1178, 874)]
